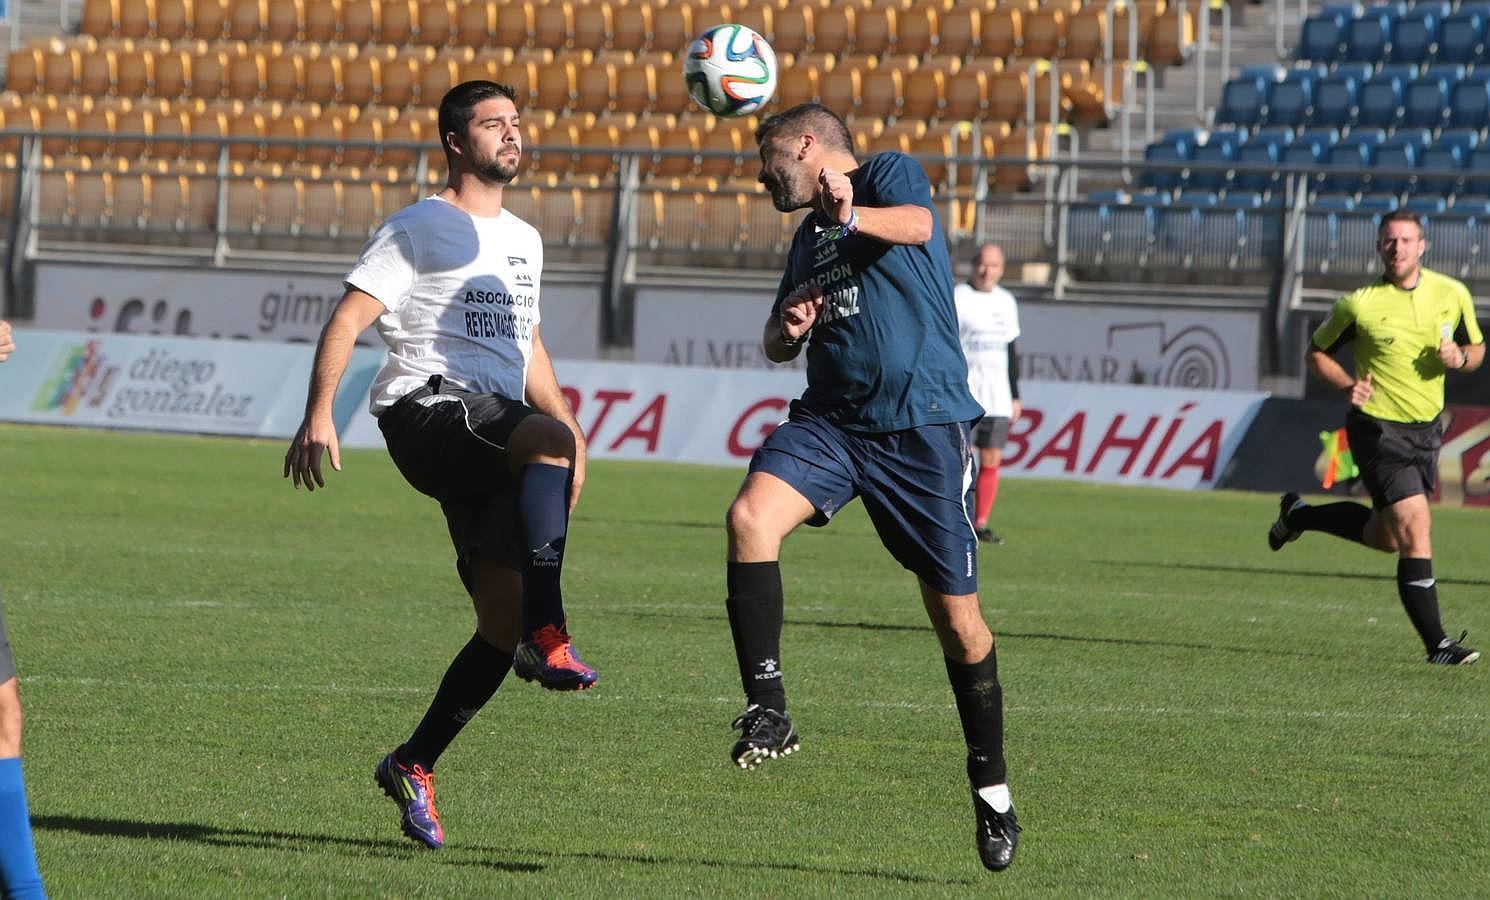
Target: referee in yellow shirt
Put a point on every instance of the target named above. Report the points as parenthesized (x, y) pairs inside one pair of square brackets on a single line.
[(1407, 330)]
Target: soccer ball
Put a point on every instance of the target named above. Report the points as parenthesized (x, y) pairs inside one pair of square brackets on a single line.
[(730, 70)]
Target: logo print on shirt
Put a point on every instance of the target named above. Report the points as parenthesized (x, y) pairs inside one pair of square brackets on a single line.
[(824, 255), (517, 260)]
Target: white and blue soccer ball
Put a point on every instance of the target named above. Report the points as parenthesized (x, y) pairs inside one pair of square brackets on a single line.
[(730, 70)]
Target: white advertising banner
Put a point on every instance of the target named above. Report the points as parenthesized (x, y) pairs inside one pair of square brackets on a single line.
[(629, 411), (1119, 434), (246, 305), (164, 383), (1061, 341)]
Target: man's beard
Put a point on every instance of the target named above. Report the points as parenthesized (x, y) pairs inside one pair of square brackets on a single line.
[(784, 199), (497, 170)]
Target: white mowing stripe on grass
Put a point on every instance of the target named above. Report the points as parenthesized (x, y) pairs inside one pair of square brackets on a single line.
[(1143, 712)]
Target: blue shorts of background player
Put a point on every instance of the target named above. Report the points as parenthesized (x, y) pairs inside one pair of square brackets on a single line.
[(913, 483)]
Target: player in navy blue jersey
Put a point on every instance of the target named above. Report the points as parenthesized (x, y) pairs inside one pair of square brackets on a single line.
[(886, 414)]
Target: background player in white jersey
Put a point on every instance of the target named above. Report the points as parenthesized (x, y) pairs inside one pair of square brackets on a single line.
[(452, 283), (988, 323)]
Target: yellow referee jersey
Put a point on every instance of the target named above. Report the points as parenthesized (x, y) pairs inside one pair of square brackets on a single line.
[(1395, 335)]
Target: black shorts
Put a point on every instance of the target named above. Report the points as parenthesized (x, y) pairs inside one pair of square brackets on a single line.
[(1397, 460), (991, 433), (452, 445)]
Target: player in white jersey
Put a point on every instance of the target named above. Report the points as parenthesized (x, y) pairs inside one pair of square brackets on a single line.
[(988, 323), (471, 410)]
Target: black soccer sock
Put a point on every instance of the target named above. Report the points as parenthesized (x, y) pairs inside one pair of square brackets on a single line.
[(980, 705), (1344, 520), (474, 675), (1419, 593), (543, 506), (755, 608)]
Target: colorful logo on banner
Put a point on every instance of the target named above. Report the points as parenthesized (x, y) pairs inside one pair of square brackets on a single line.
[(80, 371), (1464, 460), (1336, 464)]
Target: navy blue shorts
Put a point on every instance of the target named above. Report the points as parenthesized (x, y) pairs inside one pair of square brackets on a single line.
[(914, 484)]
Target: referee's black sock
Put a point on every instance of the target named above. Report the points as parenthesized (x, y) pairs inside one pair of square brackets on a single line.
[(1344, 519), (1419, 593), (543, 507), (755, 608), (980, 705), (474, 675)]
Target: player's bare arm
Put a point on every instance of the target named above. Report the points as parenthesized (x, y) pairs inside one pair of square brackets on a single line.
[(1460, 358), (545, 396), (907, 224), (1327, 369), (353, 314), (7, 341), (784, 332)]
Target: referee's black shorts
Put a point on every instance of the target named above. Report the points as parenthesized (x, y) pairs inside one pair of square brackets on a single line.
[(1397, 459), (451, 444)]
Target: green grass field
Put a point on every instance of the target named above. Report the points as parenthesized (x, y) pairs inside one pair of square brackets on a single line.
[(212, 664)]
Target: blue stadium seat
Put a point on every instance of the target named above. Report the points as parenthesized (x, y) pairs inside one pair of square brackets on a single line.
[(1368, 37), (1378, 203), (1415, 35), (1220, 147), (1469, 105), (1292, 98), (1175, 147), (1478, 165), (1310, 148), (1322, 38), (1400, 151), (1425, 103), (1381, 97), (1426, 204), (1350, 160), (1336, 99), (1466, 206), (1322, 227), (1461, 38), (1245, 97), (1263, 150)]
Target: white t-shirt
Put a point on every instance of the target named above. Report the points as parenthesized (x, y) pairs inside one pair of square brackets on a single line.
[(461, 293), (987, 323)]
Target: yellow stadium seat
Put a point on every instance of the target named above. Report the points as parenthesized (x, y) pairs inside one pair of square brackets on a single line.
[(406, 130), (798, 84), (515, 24), (598, 157), (323, 79), (284, 21), (476, 24), (322, 20), (248, 77), (596, 86), (172, 75), (758, 17), (398, 21), (135, 70), (362, 138), (721, 139), (1171, 35), (62, 70), (400, 82), (209, 75), (553, 25), (324, 208), (960, 30), (437, 22), (882, 91), (23, 71), (173, 19), (672, 90), (836, 30), (925, 93), (60, 123), (167, 134), (917, 31), (1044, 34), (437, 78), (631, 26), (136, 19), (99, 123), (362, 80), (875, 32), (323, 140), (594, 25), (284, 139), (210, 19), (285, 78), (361, 21), (672, 27), (556, 85), (1002, 32), (132, 132), (636, 86), (793, 29), (100, 18), (841, 89), (247, 18)]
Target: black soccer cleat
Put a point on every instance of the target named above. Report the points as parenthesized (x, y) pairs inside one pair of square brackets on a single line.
[(1281, 532), (1452, 653), (987, 536), (764, 734), (997, 835)]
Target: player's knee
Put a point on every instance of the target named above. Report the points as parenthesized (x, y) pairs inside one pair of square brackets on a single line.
[(745, 517), (10, 719), (545, 439)]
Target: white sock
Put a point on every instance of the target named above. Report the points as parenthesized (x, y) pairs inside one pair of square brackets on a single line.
[(996, 796)]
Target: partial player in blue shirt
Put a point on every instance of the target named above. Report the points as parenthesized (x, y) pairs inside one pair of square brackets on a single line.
[(885, 417)]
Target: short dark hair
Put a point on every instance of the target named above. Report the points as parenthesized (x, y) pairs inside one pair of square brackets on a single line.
[(1401, 215), (804, 117), (458, 105)]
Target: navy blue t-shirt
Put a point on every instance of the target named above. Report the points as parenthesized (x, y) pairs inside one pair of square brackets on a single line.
[(884, 353)]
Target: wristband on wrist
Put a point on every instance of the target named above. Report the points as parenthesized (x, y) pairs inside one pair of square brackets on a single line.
[(852, 225), (1463, 357)]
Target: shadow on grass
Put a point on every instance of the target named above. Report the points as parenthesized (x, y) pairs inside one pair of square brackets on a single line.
[(248, 837), (1033, 635), (1386, 573), (213, 836)]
